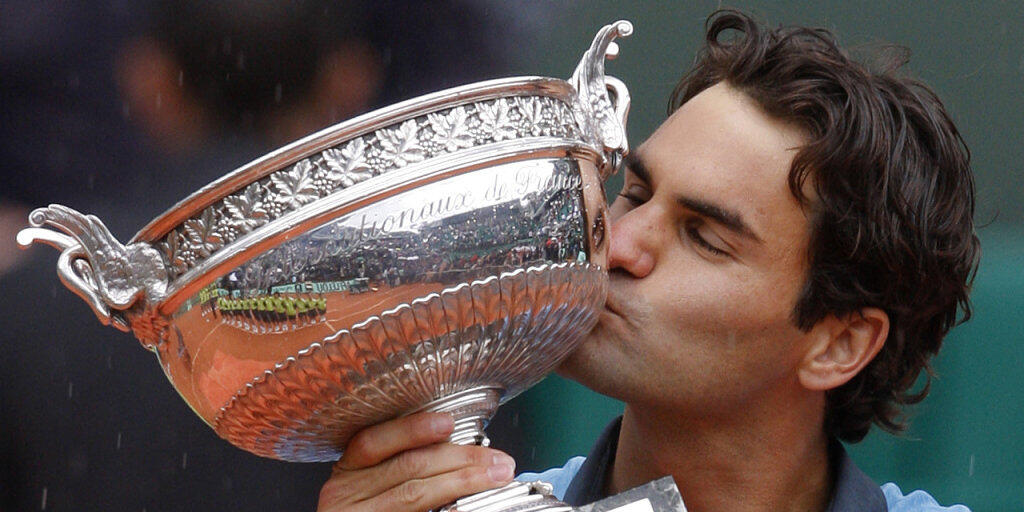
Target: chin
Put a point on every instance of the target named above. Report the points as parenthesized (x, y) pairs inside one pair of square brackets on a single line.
[(592, 367), (569, 367)]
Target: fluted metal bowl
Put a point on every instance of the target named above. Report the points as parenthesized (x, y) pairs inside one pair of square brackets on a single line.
[(444, 253)]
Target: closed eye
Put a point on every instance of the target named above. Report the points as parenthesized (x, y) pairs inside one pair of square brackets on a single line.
[(635, 194), (692, 229), (633, 200)]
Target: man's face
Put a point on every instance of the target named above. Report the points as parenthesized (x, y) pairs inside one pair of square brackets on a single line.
[(708, 256)]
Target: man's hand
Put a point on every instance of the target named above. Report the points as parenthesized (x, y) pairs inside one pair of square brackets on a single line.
[(406, 465)]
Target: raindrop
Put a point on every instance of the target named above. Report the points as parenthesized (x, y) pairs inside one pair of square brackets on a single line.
[(110, 362), (240, 61), (515, 419), (278, 91), (970, 466), (533, 453), (181, 78), (159, 100), (118, 441), (184, 459), (71, 387), (126, 110), (225, 45), (43, 507)]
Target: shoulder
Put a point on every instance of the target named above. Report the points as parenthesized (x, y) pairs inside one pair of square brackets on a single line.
[(917, 501), (559, 478)]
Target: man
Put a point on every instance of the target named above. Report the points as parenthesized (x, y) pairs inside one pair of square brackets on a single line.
[(787, 253)]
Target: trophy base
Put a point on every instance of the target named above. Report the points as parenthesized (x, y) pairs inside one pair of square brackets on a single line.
[(659, 495)]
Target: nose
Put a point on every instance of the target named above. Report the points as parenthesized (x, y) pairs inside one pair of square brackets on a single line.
[(631, 247)]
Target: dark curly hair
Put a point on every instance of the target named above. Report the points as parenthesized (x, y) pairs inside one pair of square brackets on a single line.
[(893, 206)]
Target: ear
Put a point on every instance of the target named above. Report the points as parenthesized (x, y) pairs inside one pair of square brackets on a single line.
[(841, 347)]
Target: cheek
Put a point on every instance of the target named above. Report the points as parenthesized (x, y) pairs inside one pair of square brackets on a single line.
[(735, 298), (726, 316)]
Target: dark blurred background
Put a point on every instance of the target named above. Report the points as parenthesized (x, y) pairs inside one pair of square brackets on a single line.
[(121, 108)]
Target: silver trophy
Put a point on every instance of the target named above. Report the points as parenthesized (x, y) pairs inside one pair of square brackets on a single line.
[(441, 254)]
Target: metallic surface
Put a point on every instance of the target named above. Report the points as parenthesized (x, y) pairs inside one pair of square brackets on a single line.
[(462, 351), (441, 254), (514, 497)]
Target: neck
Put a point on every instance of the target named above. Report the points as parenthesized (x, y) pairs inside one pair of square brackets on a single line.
[(770, 457)]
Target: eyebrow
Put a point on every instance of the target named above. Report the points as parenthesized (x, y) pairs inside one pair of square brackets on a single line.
[(730, 219), (637, 166)]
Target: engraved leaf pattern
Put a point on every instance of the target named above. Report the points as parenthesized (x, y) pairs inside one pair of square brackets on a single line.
[(244, 211), (401, 145), (495, 120), (200, 234), (173, 253), (295, 187), (359, 160), (532, 115), (348, 166), (451, 130)]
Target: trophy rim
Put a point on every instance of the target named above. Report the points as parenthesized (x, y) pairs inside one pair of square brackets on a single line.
[(344, 131)]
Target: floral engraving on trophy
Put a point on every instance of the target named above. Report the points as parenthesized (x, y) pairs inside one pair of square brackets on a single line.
[(243, 212), (451, 130), (293, 188), (345, 167), (412, 141), (401, 146), (495, 121)]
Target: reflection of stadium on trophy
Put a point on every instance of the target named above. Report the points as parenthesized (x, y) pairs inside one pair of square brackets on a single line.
[(428, 236)]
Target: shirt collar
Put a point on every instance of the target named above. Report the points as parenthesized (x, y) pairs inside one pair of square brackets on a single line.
[(853, 491), (589, 483)]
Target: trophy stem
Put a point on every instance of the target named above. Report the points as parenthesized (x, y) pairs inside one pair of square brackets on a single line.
[(472, 409)]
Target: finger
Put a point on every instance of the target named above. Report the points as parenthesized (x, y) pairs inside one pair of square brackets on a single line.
[(359, 485), (421, 464), (433, 492), (374, 444)]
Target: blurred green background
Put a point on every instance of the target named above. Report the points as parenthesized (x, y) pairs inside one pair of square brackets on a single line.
[(965, 444)]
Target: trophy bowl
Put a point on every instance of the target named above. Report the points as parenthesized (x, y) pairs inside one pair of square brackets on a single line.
[(444, 253)]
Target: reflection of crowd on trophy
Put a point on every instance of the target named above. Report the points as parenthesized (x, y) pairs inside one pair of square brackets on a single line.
[(285, 308), (459, 248)]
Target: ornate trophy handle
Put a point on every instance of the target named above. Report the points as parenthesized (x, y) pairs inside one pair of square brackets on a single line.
[(118, 282), (602, 102), (77, 274), (620, 101)]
